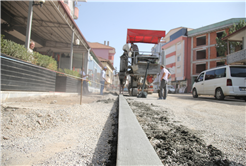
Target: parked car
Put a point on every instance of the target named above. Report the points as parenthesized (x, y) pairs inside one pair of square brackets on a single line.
[(229, 80), (171, 89)]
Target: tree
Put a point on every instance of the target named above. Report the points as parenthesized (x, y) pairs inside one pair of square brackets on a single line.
[(221, 45)]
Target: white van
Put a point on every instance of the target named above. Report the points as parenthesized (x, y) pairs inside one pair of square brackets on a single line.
[(229, 80)]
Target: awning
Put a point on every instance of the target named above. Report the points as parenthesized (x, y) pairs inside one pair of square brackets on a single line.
[(52, 26), (144, 36)]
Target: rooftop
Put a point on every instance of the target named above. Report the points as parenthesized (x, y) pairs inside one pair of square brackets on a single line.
[(214, 27), (99, 45), (237, 35)]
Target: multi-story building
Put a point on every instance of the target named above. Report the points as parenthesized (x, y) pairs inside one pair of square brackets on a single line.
[(203, 51), (104, 51), (176, 56)]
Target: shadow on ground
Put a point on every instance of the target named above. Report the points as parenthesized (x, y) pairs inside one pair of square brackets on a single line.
[(108, 138)]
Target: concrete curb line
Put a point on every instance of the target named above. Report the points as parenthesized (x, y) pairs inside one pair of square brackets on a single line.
[(133, 146)]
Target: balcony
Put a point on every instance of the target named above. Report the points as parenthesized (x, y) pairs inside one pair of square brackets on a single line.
[(76, 13), (237, 57)]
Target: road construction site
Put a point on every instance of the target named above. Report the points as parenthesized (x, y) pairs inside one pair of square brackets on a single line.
[(114, 129)]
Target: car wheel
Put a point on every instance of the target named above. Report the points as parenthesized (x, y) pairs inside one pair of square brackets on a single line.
[(219, 94), (194, 93)]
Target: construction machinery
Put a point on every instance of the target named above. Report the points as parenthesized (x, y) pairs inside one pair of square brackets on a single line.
[(138, 69)]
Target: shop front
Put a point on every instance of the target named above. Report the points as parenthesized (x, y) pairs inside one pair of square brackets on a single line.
[(94, 71)]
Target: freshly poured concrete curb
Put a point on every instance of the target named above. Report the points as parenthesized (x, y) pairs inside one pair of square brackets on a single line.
[(134, 147)]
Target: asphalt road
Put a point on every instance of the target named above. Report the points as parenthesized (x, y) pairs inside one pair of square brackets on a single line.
[(218, 123)]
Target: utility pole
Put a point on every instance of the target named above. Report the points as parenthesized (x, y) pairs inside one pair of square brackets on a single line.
[(29, 24), (71, 53)]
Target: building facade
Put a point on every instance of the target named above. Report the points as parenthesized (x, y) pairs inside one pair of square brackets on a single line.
[(60, 39), (175, 58), (104, 51), (203, 51), (94, 71)]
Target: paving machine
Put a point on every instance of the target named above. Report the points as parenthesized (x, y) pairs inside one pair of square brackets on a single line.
[(138, 69)]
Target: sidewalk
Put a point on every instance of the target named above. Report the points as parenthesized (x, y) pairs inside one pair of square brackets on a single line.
[(19, 94)]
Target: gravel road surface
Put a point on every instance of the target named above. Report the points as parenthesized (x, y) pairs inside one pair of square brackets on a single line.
[(188, 131), (58, 131)]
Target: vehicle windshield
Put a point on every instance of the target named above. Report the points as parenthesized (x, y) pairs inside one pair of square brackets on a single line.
[(238, 71)]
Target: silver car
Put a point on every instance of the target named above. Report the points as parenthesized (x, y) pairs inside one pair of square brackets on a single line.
[(170, 89)]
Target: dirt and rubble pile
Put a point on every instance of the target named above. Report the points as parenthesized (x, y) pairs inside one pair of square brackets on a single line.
[(176, 144)]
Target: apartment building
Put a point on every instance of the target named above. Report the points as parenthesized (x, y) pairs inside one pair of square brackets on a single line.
[(176, 57), (203, 53)]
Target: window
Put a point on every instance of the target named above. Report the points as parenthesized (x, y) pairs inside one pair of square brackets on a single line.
[(94, 72), (200, 68), (179, 58), (220, 64), (201, 54), (219, 34), (220, 73), (238, 71), (217, 54), (179, 46), (178, 69), (200, 77), (201, 41), (210, 75)]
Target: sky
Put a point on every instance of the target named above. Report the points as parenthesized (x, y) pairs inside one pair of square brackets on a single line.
[(108, 20)]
